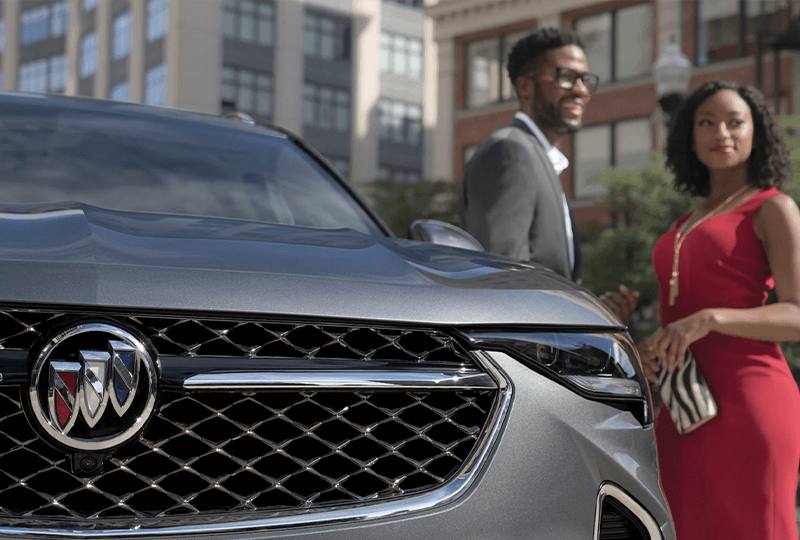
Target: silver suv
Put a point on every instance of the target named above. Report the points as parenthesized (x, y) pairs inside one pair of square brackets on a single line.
[(205, 332)]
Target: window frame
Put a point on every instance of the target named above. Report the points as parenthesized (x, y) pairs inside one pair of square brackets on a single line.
[(337, 107), (233, 13), (613, 12), (260, 82), (340, 34), (577, 188)]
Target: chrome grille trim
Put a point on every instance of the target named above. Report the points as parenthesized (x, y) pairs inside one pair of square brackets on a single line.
[(353, 514), (338, 380)]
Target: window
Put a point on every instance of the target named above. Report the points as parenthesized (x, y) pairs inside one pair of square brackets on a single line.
[(326, 108), (326, 38), (399, 122), (249, 22), (59, 19), (33, 76), (34, 25), (247, 91), (121, 37), (43, 22), (157, 19), (2, 35), (487, 70), (618, 44), (44, 75), (121, 92), (58, 73), (401, 55), (88, 5), (409, 3), (626, 145), (88, 59), (728, 29), (155, 85)]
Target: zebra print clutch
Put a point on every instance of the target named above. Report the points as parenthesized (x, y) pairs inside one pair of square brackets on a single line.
[(686, 396)]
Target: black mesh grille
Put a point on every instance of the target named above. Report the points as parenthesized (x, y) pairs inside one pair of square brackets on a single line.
[(618, 523), (221, 453), (184, 336), (236, 455)]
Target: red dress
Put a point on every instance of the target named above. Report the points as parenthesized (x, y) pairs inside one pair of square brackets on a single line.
[(736, 476)]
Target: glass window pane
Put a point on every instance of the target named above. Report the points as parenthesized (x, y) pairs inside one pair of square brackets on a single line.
[(400, 56), (385, 55), (264, 103), (483, 72), (327, 46), (247, 28), (265, 33), (633, 144), (634, 41), (245, 99), (592, 154), (595, 31), (228, 23), (399, 120), (310, 36), (719, 31)]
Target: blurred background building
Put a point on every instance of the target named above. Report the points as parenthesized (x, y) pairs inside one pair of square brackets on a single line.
[(392, 88), (729, 39), (346, 75)]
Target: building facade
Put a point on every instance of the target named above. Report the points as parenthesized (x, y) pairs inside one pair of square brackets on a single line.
[(623, 122), (346, 75)]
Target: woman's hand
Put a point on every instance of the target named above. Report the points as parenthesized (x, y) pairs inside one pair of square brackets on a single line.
[(649, 360), (670, 343)]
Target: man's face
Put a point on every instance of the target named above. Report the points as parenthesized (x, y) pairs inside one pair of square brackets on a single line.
[(555, 109)]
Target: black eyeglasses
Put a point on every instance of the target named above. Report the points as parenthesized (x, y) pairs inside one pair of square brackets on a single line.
[(566, 77)]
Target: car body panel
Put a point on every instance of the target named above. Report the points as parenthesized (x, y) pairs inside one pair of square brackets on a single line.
[(74, 254)]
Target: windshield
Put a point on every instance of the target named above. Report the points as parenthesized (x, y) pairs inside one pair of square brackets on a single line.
[(55, 153)]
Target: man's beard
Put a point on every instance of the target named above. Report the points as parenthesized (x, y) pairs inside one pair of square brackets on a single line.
[(549, 118)]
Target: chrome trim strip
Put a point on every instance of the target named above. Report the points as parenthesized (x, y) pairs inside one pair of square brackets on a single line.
[(341, 380), (368, 512), (608, 489)]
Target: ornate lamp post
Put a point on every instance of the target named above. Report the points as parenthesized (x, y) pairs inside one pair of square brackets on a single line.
[(671, 72)]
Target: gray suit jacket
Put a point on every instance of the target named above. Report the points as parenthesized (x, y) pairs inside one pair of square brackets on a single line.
[(511, 200)]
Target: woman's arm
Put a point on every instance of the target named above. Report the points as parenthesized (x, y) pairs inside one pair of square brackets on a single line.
[(777, 225)]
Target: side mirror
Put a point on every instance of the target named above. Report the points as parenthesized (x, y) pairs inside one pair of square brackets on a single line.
[(442, 233)]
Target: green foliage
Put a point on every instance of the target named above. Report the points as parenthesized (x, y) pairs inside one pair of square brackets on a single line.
[(643, 204), (401, 203)]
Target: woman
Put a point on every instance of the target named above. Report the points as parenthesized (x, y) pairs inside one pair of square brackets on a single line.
[(735, 476)]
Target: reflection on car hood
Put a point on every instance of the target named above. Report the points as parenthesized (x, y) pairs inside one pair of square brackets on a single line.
[(82, 255)]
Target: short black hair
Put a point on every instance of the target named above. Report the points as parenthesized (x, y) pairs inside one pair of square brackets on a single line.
[(769, 164), (527, 52)]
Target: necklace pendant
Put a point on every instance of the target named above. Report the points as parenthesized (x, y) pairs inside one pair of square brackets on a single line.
[(673, 288)]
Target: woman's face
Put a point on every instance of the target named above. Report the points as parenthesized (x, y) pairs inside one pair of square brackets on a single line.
[(723, 131)]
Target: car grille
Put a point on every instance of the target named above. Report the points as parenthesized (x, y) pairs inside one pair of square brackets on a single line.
[(224, 454)]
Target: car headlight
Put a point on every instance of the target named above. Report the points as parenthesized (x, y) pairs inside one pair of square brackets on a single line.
[(598, 366)]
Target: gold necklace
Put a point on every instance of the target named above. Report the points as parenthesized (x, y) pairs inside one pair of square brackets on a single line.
[(683, 231)]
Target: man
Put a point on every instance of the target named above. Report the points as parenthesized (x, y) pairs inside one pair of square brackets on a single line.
[(512, 200)]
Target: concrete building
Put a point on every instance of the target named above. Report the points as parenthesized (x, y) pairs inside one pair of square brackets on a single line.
[(346, 75), (623, 122)]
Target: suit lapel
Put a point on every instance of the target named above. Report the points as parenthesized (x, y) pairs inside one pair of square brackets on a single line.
[(553, 180)]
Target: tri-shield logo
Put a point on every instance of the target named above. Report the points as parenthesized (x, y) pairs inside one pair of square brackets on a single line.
[(89, 384), (93, 387)]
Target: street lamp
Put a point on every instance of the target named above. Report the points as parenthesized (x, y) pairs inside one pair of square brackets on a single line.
[(671, 72)]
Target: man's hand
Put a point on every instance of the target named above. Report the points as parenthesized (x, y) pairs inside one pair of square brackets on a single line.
[(622, 304)]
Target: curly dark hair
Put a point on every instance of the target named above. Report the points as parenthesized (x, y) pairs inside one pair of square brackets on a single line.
[(769, 163), (527, 52)]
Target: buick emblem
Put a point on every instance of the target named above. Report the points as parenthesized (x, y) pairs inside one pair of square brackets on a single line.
[(93, 387)]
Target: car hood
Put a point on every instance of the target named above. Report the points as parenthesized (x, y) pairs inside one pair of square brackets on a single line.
[(75, 254)]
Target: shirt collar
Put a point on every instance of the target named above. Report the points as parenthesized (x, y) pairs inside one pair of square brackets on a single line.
[(559, 160)]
